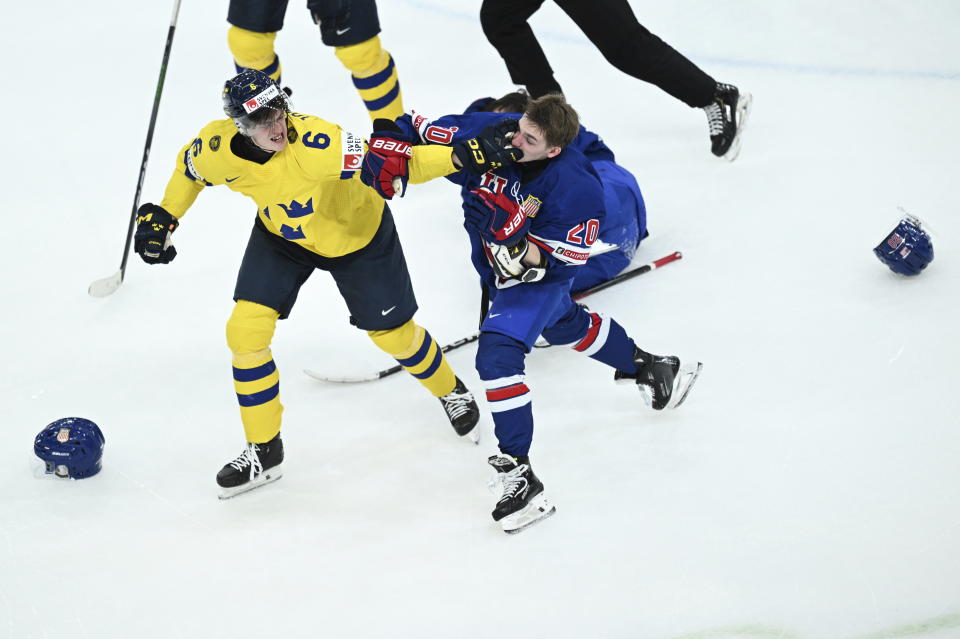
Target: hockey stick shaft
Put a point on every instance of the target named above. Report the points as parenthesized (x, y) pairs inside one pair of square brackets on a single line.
[(108, 285), (469, 339)]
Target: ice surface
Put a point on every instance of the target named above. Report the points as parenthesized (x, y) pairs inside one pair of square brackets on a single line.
[(808, 489)]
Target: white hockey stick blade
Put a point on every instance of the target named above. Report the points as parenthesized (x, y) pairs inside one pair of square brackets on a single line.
[(743, 114), (345, 379), (106, 286)]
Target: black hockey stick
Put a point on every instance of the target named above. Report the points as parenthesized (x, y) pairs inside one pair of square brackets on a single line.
[(107, 285), (623, 277)]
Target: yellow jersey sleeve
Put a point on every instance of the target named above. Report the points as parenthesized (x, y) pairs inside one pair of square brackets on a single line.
[(200, 163), (430, 161)]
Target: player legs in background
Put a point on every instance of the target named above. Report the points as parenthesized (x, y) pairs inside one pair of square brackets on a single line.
[(253, 28), (613, 28), (350, 26)]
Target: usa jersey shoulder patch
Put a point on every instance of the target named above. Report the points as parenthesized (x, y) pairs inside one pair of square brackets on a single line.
[(531, 206)]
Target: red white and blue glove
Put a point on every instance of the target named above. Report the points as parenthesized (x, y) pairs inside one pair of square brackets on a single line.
[(502, 225), (384, 166), (495, 216)]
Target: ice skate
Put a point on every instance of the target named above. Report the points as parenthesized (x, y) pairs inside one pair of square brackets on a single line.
[(727, 116), (522, 501), (257, 465), (462, 411), (664, 380)]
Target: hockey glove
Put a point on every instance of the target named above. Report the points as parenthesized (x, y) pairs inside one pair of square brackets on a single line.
[(152, 239), (495, 216), (507, 261), (490, 150), (384, 166)]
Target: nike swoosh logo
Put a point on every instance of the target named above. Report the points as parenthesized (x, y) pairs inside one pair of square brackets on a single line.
[(492, 315), (387, 312), (342, 31), (232, 179)]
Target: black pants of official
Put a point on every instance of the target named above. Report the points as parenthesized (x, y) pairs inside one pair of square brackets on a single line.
[(612, 27)]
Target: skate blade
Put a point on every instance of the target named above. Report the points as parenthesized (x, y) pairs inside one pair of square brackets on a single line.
[(474, 435), (537, 510), (265, 478), (683, 382), (744, 103)]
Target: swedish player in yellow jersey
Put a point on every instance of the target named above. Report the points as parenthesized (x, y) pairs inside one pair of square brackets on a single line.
[(313, 212), (352, 27)]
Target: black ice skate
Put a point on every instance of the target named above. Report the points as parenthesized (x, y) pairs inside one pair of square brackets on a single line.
[(522, 501), (462, 411), (256, 466), (663, 380), (727, 117)]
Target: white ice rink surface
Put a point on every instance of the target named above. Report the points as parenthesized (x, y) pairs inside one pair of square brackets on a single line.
[(808, 489)]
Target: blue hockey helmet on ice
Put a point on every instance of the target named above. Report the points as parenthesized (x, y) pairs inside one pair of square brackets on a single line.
[(251, 97), (907, 249), (71, 447)]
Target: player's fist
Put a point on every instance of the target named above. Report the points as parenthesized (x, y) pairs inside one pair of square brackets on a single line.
[(496, 217), (152, 239), (384, 167), (490, 150)]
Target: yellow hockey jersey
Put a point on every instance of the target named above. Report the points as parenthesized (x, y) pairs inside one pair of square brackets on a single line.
[(309, 193)]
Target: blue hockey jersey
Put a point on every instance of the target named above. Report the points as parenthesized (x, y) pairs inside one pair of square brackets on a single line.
[(563, 203)]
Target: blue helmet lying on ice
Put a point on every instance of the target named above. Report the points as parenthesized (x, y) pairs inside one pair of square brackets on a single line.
[(907, 249), (71, 447)]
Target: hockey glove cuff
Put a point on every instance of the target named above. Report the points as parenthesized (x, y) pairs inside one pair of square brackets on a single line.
[(385, 164), (152, 238), (507, 261), (490, 150)]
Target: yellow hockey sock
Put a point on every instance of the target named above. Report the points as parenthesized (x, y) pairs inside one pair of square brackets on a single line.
[(375, 77), (252, 50), (255, 376), (412, 346)]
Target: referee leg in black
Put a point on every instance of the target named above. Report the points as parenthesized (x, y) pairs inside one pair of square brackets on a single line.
[(613, 28)]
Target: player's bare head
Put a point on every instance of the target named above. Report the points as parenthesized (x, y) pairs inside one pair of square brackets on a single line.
[(556, 120), (514, 102)]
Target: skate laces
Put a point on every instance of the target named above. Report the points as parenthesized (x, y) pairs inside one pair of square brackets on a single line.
[(250, 458), (715, 118), (500, 464), (514, 481), (457, 404)]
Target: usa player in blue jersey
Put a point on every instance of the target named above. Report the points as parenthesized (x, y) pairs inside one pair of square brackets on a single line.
[(533, 208), (625, 224)]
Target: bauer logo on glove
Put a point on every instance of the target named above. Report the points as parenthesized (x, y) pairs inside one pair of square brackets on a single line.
[(385, 165), (497, 217)]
